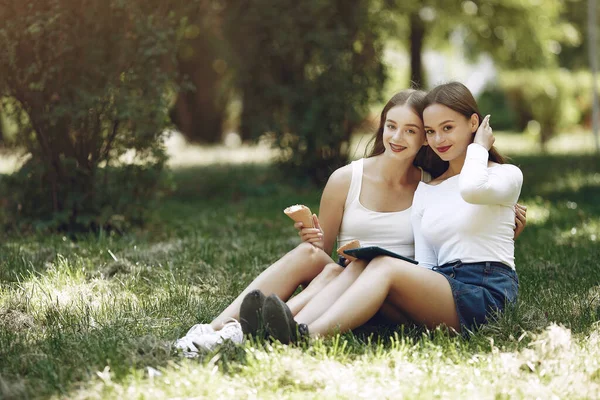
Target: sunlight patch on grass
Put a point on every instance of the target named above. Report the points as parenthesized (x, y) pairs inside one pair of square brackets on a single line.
[(63, 287), (588, 230), (183, 154), (422, 371), (572, 180)]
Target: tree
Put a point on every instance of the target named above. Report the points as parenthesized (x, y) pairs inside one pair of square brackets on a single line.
[(87, 80), (200, 111), (515, 33)]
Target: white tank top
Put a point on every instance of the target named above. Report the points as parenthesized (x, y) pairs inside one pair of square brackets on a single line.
[(390, 230)]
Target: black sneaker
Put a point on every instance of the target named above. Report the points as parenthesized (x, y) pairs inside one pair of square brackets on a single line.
[(277, 321), (251, 312)]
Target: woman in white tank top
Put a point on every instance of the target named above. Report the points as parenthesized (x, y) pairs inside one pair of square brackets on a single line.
[(369, 200)]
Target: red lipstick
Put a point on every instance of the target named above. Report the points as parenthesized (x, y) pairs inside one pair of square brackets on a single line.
[(443, 149), (396, 148)]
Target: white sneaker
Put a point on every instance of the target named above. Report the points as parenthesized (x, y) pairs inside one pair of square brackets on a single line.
[(192, 343), (232, 330), (200, 329), (186, 342)]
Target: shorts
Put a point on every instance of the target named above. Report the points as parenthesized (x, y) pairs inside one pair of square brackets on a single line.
[(480, 289)]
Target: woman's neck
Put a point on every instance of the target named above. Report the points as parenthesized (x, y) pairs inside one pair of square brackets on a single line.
[(394, 171), (456, 165)]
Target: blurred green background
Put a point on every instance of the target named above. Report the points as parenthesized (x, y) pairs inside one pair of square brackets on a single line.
[(104, 96)]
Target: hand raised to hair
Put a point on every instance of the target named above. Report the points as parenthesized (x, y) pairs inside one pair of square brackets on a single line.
[(485, 136)]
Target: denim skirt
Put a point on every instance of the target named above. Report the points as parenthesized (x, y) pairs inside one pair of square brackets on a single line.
[(480, 289)]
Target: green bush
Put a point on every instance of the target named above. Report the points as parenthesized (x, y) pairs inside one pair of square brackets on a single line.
[(307, 72), (86, 82), (557, 99), (493, 101)]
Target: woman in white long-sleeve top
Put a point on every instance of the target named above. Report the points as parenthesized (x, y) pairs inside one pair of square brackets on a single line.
[(463, 224)]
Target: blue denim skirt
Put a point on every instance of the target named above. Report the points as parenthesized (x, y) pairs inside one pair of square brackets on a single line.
[(480, 290)]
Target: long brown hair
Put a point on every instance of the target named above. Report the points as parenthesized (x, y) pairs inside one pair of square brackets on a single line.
[(459, 98), (425, 158)]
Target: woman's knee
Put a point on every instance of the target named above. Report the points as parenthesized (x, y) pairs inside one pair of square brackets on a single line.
[(332, 270), (307, 251), (305, 262), (328, 274), (384, 266), (357, 266), (311, 256)]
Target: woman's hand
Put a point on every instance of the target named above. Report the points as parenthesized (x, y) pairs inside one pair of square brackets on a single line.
[(520, 219), (314, 235), (485, 136)]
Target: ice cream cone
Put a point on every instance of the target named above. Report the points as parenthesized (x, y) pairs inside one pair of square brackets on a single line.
[(300, 213)]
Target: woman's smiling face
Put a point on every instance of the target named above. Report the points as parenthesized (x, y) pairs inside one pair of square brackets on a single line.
[(447, 131), (403, 133)]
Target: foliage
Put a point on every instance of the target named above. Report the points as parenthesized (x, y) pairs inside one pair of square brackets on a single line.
[(87, 82), (575, 53), (555, 98), (494, 101), (76, 324), (515, 33), (307, 72), (123, 197)]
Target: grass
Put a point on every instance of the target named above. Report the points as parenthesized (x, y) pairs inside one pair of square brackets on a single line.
[(94, 317)]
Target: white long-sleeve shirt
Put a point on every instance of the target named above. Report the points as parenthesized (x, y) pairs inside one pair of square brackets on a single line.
[(470, 216)]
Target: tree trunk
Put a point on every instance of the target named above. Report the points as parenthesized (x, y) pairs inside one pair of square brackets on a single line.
[(246, 130), (199, 113), (417, 35), (546, 132)]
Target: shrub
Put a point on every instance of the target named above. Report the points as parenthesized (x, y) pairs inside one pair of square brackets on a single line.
[(493, 101), (555, 98), (87, 81)]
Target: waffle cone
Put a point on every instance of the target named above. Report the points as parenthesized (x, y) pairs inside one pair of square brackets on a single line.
[(300, 213)]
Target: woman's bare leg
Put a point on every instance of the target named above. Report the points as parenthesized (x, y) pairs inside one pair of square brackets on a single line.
[(421, 294), (393, 315), (299, 266), (330, 272), (328, 295)]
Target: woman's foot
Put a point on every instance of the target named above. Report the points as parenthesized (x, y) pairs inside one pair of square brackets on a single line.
[(251, 312)]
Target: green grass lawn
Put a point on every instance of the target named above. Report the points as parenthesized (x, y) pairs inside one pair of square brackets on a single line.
[(76, 322)]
